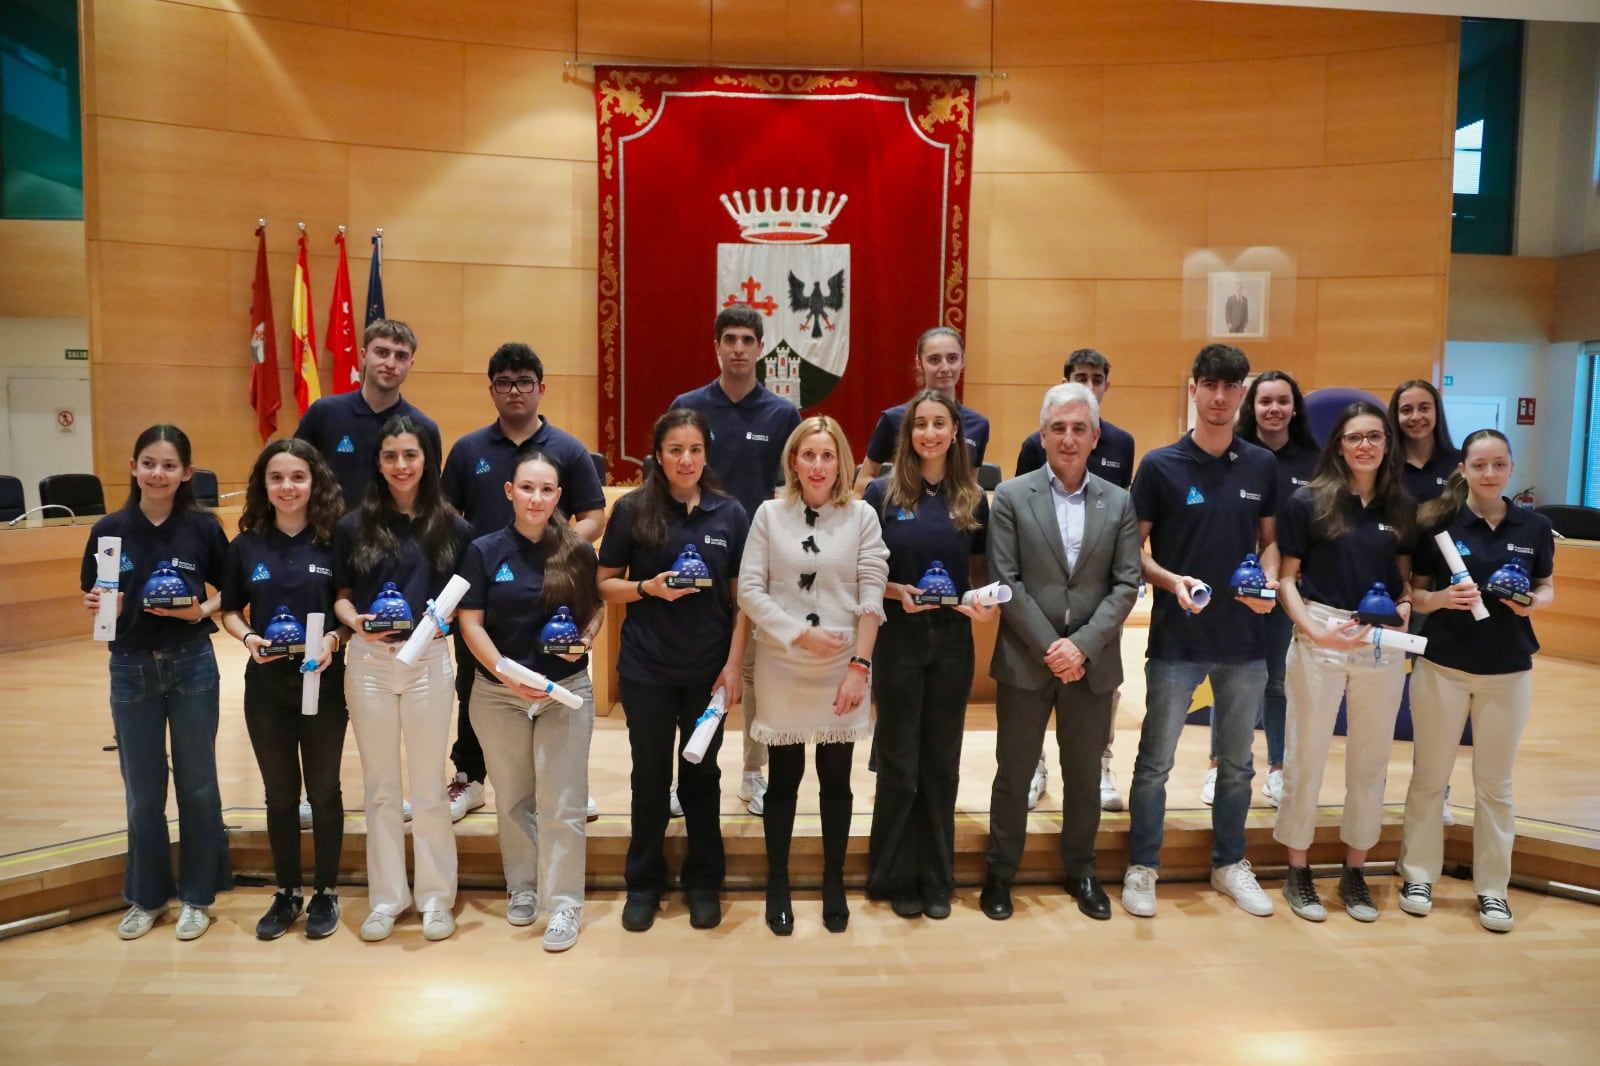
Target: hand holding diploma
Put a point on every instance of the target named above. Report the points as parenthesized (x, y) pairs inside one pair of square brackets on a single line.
[(435, 621), (705, 727), (311, 683), (104, 599), (1458, 572), (539, 686)]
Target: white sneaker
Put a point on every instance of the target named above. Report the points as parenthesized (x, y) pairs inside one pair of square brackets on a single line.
[(193, 922), (562, 932), (305, 813), (1239, 882), (1416, 898), (138, 921), (437, 923), (405, 810), (1139, 891), (1110, 798), (1036, 787), (377, 927), (1449, 818), (674, 808), (1494, 915), (464, 796), (1272, 791), (753, 790), (523, 908), (591, 811), (1208, 791)]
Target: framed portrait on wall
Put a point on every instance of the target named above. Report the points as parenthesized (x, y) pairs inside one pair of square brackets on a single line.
[(1237, 303)]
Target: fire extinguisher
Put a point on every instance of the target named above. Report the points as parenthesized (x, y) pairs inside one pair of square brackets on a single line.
[(1524, 498)]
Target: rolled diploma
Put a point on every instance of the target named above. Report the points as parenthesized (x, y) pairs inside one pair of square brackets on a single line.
[(311, 683), (514, 670), (1201, 595), (107, 560), (1458, 569), (427, 629), (705, 727), (995, 592), (1386, 638)]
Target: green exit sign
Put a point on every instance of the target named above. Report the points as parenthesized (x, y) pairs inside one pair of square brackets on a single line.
[(1449, 379), (78, 354)]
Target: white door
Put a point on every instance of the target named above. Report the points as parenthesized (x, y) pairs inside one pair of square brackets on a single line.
[(1467, 414), (49, 429)]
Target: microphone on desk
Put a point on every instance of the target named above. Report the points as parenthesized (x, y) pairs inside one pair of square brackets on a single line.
[(42, 507)]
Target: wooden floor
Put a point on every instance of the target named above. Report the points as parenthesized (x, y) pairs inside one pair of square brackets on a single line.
[(1202, 982)]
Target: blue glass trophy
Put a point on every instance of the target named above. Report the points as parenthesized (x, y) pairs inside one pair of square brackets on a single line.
[(390, 613), (1378, 608), (284, 636), (166, 588), (690, 571), (1511, 582), (560, 635), (1250, 581), (936, 589)]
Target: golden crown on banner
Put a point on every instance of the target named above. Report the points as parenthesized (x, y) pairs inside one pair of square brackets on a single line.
[(779, 223)]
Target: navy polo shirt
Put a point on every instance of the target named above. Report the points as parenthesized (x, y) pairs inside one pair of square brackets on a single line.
[(921, 534), (1205, 513), (344, 428), (475, 475), (1296, 465), (1504, 642), (1428, 480), (1339, 572), (413, 574), (507, 574), (747, 439), (974, 430), (685, 641), (269, 569), (198, 544), (1112, 458)]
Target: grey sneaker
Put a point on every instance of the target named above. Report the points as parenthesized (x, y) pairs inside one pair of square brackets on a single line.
[(523, 908), (562, 932), (1493, 914), (1354, 895), (193, 922), (1036, 787), (1139, 891), (138, 921), (1416, 898), (1208, 788), (753, 790), (1301, 892), (305, 813)]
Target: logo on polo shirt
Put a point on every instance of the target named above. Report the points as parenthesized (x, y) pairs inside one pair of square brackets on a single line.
[(1111, 464), (261, 573), (346, 445), (1462, 549), (1194, 497), (503, 575), (1385, 529), (181, 565), (1519, 549), (971, 443), (1244, 495), (482, 467), (315, 569), (718, 541), (904, 515), (755, 436), (126, 565), (1298, 481)]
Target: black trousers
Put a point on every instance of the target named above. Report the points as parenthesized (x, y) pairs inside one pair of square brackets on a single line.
[(661, 719), (466, 753), (289, 747), (922, 676), (786, 765), (1083, 719)]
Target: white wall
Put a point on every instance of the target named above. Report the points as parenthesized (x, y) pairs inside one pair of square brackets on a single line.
[(1546, 451), (1558, 203), (36, 348)]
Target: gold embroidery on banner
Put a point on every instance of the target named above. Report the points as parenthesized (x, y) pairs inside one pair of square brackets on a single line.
[(955, 292), (621, 95), (777, 83), (608, 152), (950, 102)]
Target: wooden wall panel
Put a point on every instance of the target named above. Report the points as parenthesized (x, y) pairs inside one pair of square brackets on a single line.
[(1391, 103), (1093, 225), (520, 102), (1214, 116), (1245, 31), (43, 273), (1026, 327), (148, 58), (551, 310), (1139, 326), (546, 24), (1040, 119), (1502, 298), (163, 184), (291, 80), (313, 12), (786, 33), (661, 30), (1380, 220), (1069, 32), (931, 35), (1577, 298), (428, 297), (1374, 332), (150, 293)]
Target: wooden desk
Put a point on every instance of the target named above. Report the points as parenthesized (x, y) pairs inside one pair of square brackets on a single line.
[(1570, 627)]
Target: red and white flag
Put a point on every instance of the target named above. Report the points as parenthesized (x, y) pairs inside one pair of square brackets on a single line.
[(341, 340), (266, 394)]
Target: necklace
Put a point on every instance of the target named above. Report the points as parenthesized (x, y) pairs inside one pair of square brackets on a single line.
[(930, 489)]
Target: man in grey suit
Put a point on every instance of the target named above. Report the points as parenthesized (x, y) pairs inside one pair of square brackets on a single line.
[(1067, 543)]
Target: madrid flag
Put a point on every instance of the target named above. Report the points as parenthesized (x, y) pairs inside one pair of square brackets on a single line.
[(341, 341), (266, 395), (307, 387)]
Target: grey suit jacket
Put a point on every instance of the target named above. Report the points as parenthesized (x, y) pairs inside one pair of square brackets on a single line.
[(1026, 552)]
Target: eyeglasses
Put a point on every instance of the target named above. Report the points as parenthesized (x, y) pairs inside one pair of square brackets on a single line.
[(506, 386), (1356, 440)]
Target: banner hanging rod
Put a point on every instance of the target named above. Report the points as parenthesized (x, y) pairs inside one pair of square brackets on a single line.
[(996, 75)]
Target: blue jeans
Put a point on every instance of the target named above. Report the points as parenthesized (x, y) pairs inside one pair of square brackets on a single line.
[(153, 692), (1169, 686), (1279, 632)]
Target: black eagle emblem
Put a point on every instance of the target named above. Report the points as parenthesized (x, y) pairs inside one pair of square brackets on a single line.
[(816, 306)]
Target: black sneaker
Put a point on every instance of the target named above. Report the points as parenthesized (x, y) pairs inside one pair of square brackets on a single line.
[(1301, 892), (286, 907), (322, 915), (1493, 914), (1416, 898), (639, 911), (1353, 893)]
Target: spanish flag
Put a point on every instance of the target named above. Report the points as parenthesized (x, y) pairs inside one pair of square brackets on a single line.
[(307, 387)]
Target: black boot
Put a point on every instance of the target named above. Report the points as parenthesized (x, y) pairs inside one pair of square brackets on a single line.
[(835, 842), (777, 828)]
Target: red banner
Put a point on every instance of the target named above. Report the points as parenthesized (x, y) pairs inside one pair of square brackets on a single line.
[(341, 339), (835, 203), (266, 394), (307, 386)]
